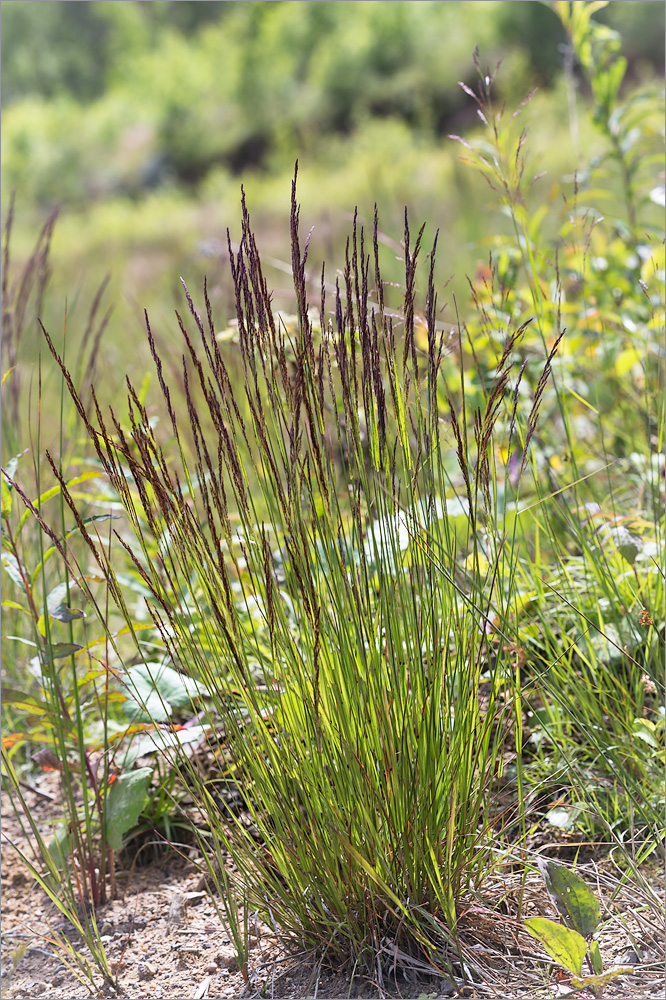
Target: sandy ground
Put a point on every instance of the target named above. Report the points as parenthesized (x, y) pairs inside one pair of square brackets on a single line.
[(164, 938)]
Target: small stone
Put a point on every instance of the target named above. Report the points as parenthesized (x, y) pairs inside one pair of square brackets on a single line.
[(210, 968), (146, 971), (227, 962), (192, 898), (176, 913)]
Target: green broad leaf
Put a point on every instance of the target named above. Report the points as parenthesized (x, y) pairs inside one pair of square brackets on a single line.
[(5, 497), (161, 739), (595, 958), (567, 947), (59, 650), (65, 614), (573, 898), (58, 594), (127, 798), (627, 544), (156, 689), (598, 983), (646, 730), (60, 847), (12, 464), (563, 818), (11, 567), (55, 603)]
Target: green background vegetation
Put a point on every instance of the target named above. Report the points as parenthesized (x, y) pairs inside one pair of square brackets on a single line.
[(142, 119)]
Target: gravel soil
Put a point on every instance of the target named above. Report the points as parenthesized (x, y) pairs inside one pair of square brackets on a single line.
[(164, 938)]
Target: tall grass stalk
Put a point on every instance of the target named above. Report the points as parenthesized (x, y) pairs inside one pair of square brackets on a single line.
[(295, 577)]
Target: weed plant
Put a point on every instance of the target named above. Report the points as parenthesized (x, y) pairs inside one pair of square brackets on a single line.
[(61, 701), (49, 703), (595, 578)]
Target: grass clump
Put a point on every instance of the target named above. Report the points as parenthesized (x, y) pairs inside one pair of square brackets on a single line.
[(304, 570)]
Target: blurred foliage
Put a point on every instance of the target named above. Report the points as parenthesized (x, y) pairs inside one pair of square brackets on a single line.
[(140, 117), (104, 98), (70, 47), (259, 79), (532, 27)]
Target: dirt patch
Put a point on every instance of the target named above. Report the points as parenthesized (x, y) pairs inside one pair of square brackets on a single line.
[(164, 938)]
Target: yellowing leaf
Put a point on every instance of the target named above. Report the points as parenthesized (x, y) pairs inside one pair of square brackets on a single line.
[(16, 606), (471, 563), (600, 982), (626, 360), (567, 947), (655, 262), (13, 738)]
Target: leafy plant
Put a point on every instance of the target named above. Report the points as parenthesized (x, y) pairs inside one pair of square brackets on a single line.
[(69, 704), (594, 528), (570, 941)]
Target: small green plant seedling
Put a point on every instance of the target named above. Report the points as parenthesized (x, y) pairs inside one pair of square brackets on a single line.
[(570, 942)]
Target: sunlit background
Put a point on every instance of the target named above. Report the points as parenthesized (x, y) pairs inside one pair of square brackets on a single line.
[(141, 120)]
